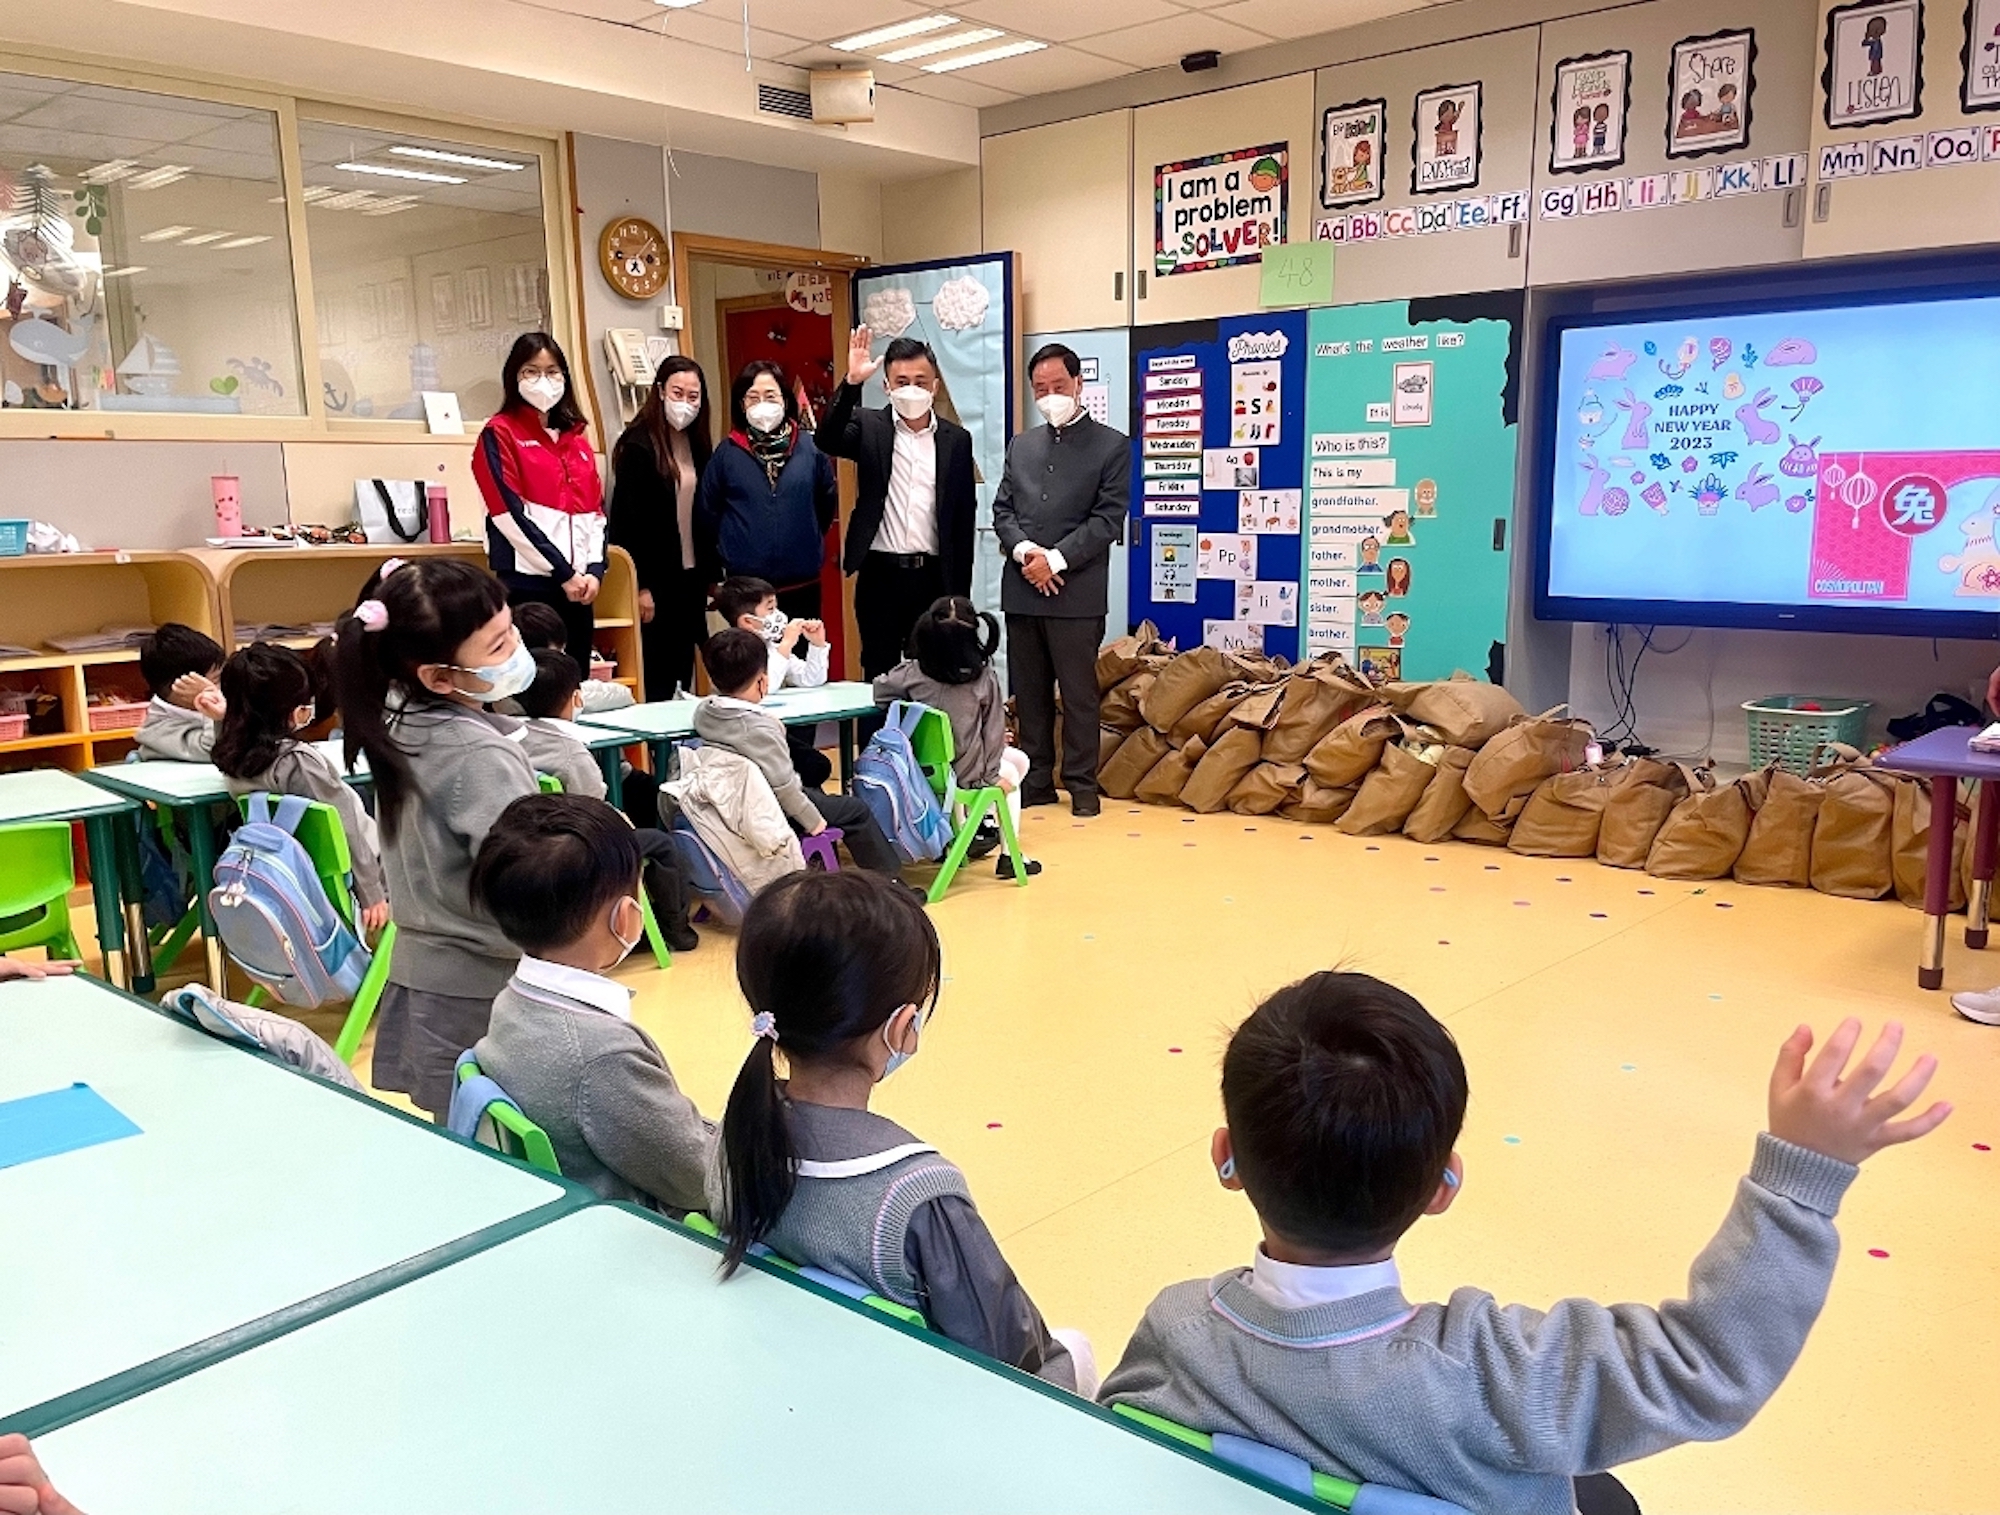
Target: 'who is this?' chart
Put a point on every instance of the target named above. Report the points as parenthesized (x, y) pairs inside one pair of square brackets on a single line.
[(1219, 481), (1409, 463)]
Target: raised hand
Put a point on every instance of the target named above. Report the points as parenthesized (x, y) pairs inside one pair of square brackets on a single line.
[(860, 367), (1825, 1108)]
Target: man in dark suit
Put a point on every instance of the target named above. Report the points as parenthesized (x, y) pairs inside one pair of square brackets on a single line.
[(1060, 510), (910, 538)]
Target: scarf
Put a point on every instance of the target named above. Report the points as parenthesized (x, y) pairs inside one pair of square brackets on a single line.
[(773, 450)]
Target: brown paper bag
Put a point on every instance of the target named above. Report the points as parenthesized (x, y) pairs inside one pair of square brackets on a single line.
[(1165, 780), (1911, 842), (1260, 709), (1779, 847), (1319, 804), (1477, 827), (1635, 810), (1136, 758), (1122, 658), (1266, 787), (1512, 765), (1388, 795), (1205, 719), (1562, 818), (1348, 753), (1465, 711), (1854, 837), (1119, 709), (1703, 834), (1183, 684), (1233, 755), (1317, 698), (1109, 740), (1444, 802)]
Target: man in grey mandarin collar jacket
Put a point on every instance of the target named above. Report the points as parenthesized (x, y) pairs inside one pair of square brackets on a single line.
[(1059, 511)]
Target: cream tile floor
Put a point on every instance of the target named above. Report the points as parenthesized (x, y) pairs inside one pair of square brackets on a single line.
[(1619, 1031)]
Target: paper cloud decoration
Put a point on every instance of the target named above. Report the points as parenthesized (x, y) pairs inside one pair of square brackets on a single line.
[(890, 312), (960, 304)]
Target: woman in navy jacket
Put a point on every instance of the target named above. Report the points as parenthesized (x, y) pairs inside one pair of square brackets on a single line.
[(768, 495)]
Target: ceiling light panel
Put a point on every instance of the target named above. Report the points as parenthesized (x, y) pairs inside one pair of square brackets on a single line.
[(465, 160), (158, 178), (861, 41), (165, 233), (985, 55), (203, 238), (389, 171), (934, 45), (236, 242)]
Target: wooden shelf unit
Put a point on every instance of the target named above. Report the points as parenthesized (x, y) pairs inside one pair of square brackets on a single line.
[(262, 586), (62, 594)]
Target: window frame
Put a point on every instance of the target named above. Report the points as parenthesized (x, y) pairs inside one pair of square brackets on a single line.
[(314, 425)]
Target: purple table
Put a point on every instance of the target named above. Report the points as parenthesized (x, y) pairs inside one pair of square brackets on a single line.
[(1944, 757)]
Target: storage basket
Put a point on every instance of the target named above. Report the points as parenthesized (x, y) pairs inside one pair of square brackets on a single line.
[(13, 538), (1783, 733), (13, 727), (122, 716)]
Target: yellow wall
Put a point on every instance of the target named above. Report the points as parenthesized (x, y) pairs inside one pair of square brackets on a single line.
[(929, 218)]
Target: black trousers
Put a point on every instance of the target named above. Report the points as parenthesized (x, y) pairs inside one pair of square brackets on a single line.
[(801, 601), (890, 592), (1046, 653), (866, 844), (578, 620), (811, 765), (679, 625), (1601, 1494)]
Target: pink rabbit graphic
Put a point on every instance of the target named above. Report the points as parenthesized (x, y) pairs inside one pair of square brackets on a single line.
[(1636, 411), (1612, 363), (1756, 428), (1593, 492), (1757, 490)]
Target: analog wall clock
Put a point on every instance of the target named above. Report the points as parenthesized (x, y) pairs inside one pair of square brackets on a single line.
[(633, 255)]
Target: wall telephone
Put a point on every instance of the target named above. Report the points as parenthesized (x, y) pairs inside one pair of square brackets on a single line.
[(630, 360)]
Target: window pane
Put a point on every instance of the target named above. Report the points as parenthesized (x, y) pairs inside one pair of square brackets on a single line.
[(428, 259), (143, 254)]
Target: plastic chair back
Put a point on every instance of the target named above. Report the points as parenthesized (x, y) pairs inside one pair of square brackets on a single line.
[(703, 1226), (477, 1097), (936, 749), (708, 876), (37, 872)]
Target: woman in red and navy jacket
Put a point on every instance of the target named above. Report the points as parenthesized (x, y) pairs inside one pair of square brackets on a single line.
[(545, 524)]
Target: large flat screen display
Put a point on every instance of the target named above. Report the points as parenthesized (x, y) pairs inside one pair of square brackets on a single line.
[(1831, 466)]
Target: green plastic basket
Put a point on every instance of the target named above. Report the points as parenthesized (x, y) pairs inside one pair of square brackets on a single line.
[(1782, 733)]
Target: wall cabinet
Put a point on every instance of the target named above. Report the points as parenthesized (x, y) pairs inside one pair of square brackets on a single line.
[(1051, 195)]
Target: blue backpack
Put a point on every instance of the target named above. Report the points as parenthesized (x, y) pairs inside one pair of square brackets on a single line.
[(889, 779), (272, 913)]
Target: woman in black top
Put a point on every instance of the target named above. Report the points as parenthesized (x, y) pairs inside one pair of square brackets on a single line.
[(656, 468)]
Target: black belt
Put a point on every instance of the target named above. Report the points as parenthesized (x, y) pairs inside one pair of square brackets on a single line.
[(904, 559)]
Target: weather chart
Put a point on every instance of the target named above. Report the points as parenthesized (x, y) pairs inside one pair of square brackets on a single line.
[(1828, 456)]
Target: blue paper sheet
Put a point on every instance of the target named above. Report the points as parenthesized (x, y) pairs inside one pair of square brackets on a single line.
[(46, 1125)]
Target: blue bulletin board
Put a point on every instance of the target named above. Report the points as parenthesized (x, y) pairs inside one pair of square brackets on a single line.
[(1218, 464)]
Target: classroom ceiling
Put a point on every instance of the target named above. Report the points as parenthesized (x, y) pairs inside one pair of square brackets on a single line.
[(1054, 44)]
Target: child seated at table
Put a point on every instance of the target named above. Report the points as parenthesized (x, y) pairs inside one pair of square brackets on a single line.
[(752, 605), (269, 694), (733, 718), (841, 972), (556, 747), (1344, 1099), (180, 665), (559, 872), (541, 627), (952, 671)]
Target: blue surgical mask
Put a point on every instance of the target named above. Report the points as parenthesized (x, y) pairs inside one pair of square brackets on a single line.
[(897, 1057), (504, 679)]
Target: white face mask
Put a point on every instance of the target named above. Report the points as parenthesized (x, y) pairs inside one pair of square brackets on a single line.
[(1057, 408), (640, 936), (912, 401), (542, 393), (765, 415), (681, 413), (774, 625)]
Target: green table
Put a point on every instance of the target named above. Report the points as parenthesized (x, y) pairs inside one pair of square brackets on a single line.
[(595, 1366), (662, 723), (250, 1190), (48, 794)]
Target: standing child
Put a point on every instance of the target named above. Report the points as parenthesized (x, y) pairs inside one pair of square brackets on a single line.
[(952, 671), (1344, 1099), (752, 605), (269, 693), (179, 665), (841, 971), (417, 663)]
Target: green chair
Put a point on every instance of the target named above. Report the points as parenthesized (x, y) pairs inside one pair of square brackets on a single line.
[(701, 1225), (324, 838), (662, 956), (934, 748), (37, 872), (479, 1097)]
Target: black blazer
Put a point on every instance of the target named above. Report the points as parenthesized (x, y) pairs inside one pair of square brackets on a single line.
[(868, 438), (645, 510)]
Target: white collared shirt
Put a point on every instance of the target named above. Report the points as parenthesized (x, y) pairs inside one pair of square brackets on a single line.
[(730, 702), (592, 989), (788, 672), (909, 515), (1294, 1286)]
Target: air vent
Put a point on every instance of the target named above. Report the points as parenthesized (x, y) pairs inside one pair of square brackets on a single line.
[(773, 100)]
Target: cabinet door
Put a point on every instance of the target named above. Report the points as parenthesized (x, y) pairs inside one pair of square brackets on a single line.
[(1381, 254), (1275, 114), (1050, 195), (1925, 180), (1713, 213)]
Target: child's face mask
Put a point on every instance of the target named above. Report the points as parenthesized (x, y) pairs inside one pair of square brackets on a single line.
[(897, 1057), (638, 932), (773, 625)]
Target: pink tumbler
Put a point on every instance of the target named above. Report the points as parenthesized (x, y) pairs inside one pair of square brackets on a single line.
[(438, 509), (228, 505)]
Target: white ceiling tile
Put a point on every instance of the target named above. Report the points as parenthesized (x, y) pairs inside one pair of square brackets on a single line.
[(1158, 43), (1062, 20), (819, 55), (819, 20), (624, 11), (726, 35), (959, 91), (1044, 72), (1308, 18)]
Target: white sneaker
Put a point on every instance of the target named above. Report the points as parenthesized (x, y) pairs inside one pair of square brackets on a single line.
[(1982, 1005)]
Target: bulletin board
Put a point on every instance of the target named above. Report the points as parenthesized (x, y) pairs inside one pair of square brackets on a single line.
[(1412, 413), (1218, 413)]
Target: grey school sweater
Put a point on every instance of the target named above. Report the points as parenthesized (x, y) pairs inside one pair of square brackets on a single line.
[(1494, 1407), (174, 733), (555, 751), (304, 770), (977, 712)]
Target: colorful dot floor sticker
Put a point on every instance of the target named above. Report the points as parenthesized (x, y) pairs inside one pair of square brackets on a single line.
[(1877, 1252)]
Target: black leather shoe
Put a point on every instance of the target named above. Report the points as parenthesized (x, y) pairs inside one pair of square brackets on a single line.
[(985, 839), (1003, 866), (1084, 805), (1030, 799)]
